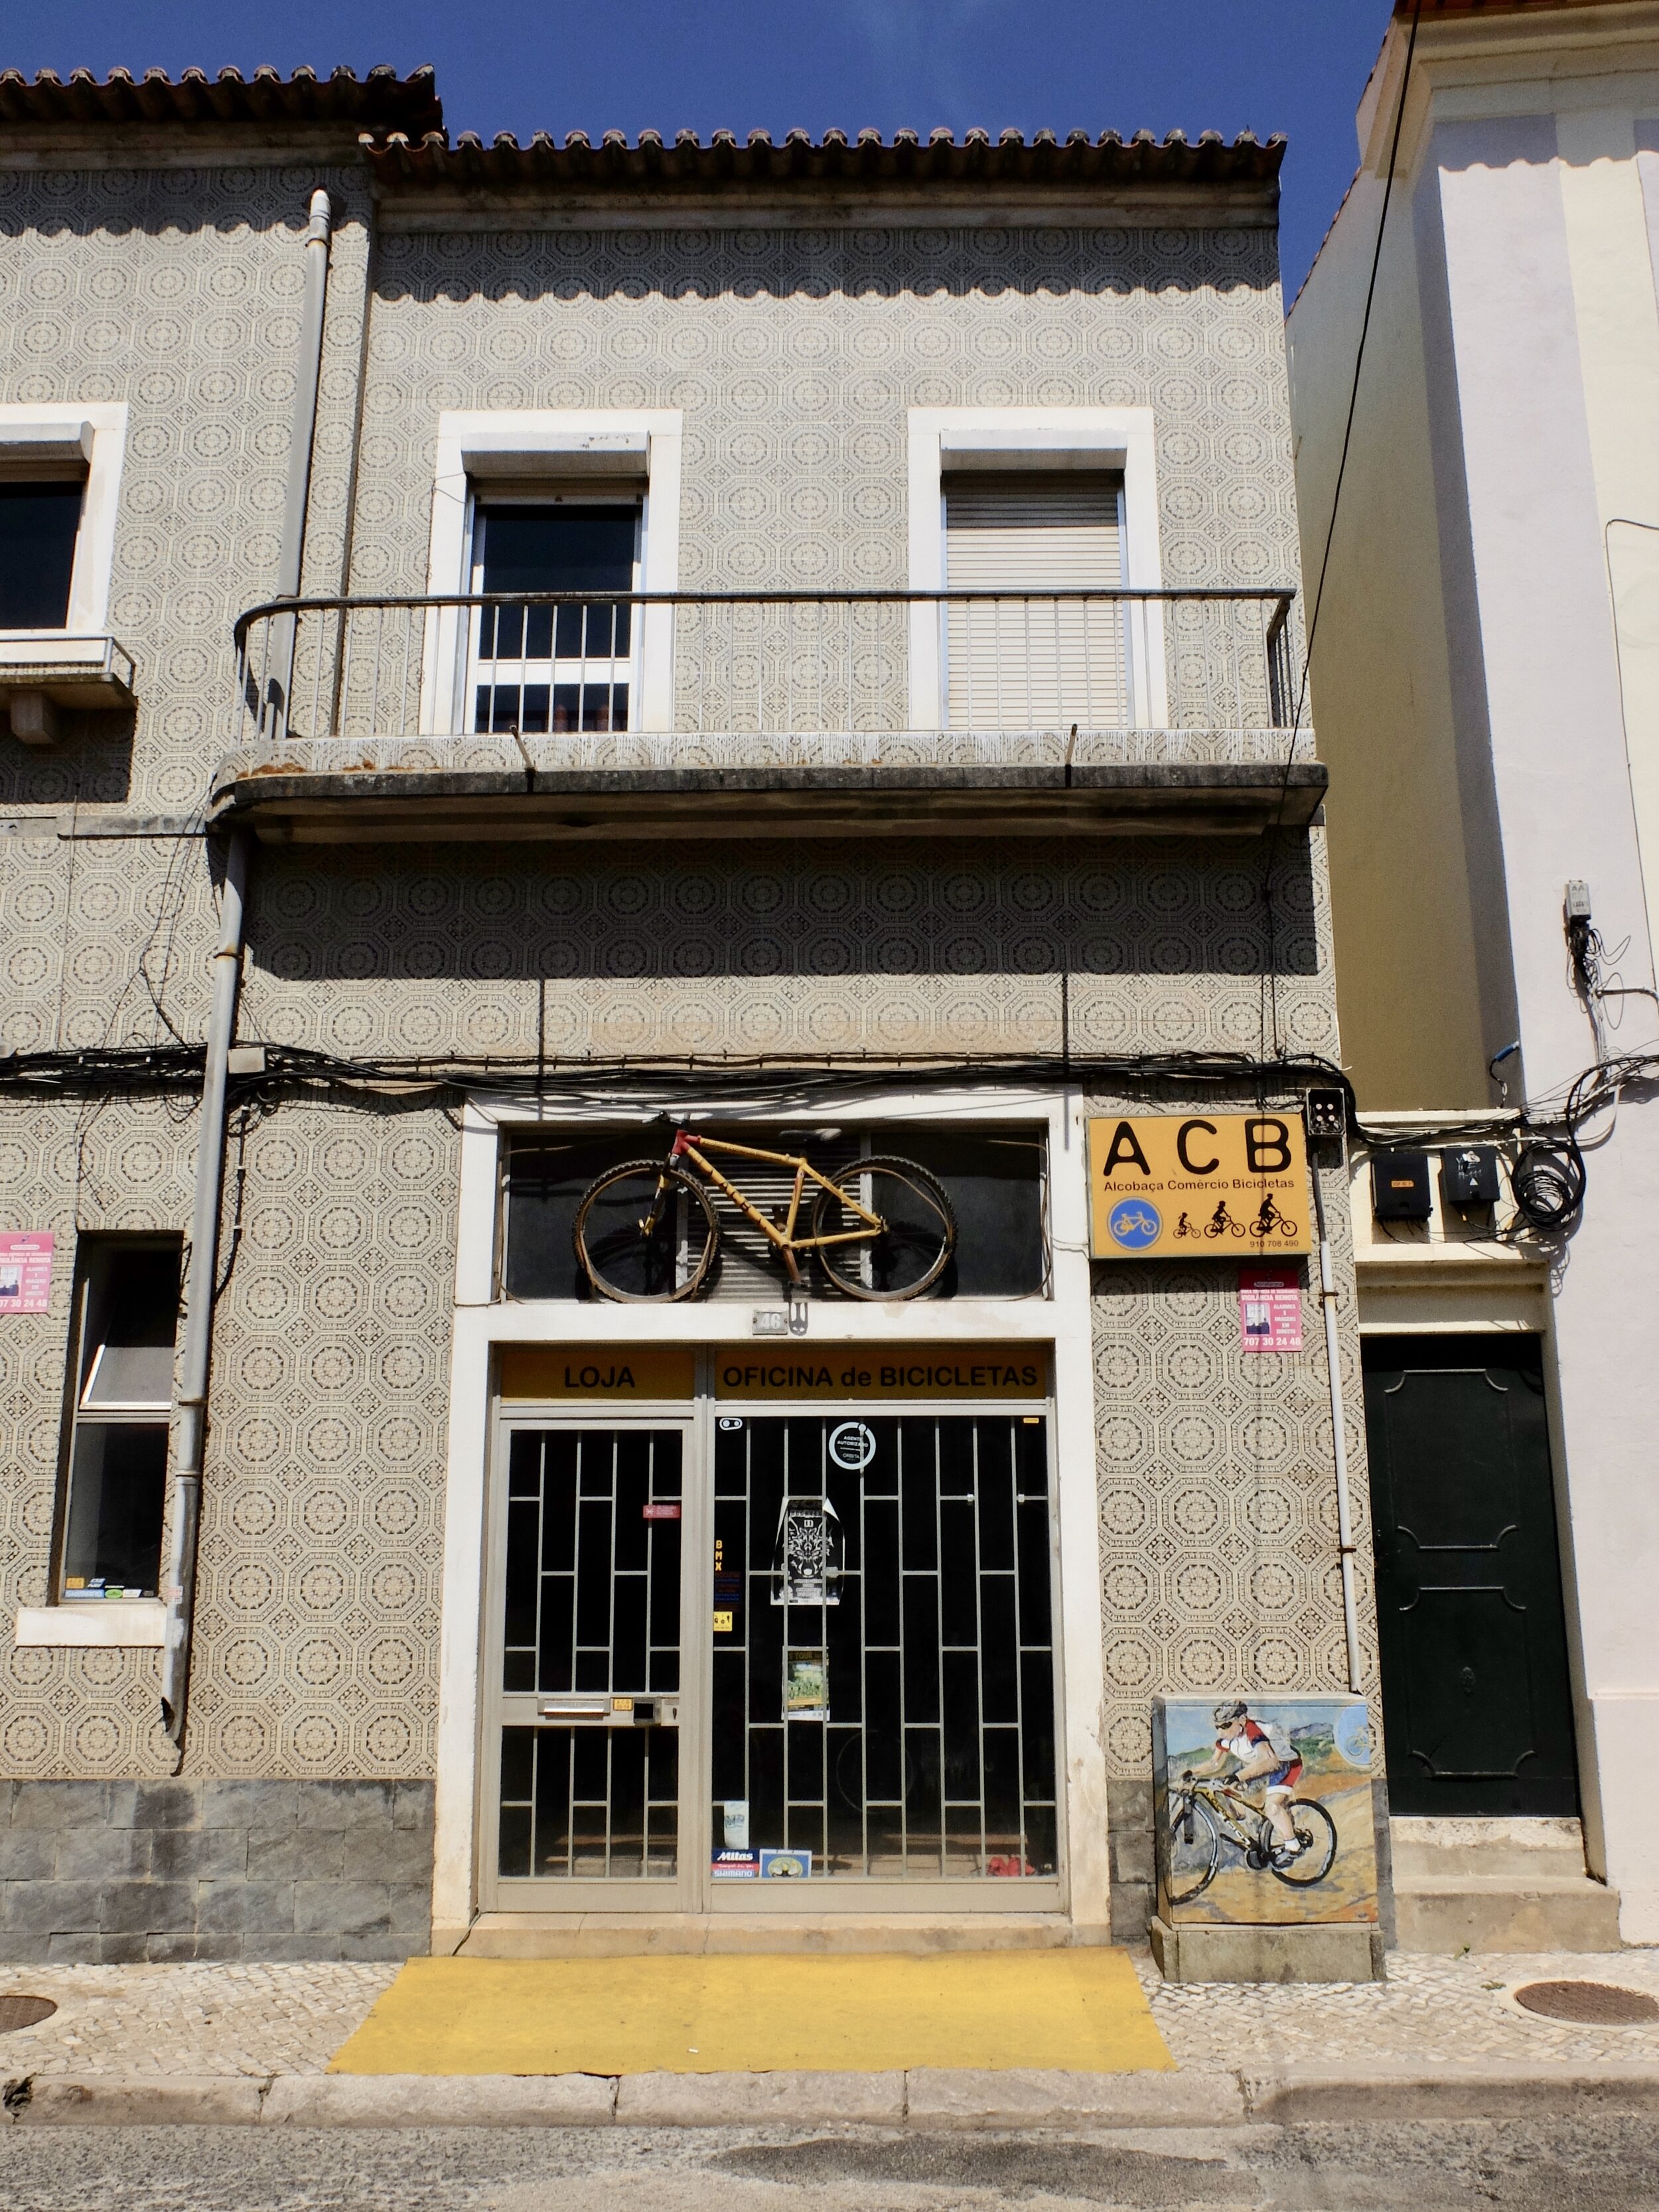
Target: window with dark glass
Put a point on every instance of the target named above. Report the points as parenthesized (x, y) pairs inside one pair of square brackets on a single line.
[(543, 668), (994, 1174), (127, 1320), (39, 525)]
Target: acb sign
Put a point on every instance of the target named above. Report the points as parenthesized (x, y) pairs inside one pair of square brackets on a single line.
[(1197, 1186)]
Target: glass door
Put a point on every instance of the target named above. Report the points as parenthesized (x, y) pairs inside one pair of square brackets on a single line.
[(582, 1771), (883, 1705)]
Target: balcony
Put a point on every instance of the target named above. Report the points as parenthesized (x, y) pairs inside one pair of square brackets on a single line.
[(617, 714)]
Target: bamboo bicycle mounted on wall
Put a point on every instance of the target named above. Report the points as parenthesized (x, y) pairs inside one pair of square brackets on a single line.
[(647, 1231)]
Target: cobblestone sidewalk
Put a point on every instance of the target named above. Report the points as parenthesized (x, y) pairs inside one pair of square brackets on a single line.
[(267, 2020)]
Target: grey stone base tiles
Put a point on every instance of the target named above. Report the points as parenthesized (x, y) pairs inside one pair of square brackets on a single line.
[(119, 1873)]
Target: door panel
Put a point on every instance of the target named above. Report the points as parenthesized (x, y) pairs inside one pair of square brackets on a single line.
[(587, 1781), (884, 1686), (1476, 1707)]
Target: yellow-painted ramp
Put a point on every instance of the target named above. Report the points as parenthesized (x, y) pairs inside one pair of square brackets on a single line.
[(1080, 2009)]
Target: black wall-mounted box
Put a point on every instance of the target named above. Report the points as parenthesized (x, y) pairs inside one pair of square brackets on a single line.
[(1400, 1187), (1469, 1176)]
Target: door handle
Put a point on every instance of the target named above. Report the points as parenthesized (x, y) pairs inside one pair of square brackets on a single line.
[(597, 1709)]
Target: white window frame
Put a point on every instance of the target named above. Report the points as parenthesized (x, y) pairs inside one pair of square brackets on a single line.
[(99, 428), (1114, 438), (571, 445)]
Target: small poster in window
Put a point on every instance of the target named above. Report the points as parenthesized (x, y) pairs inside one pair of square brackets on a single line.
[(1269, 1309), (25, 1271), (805, 1692)]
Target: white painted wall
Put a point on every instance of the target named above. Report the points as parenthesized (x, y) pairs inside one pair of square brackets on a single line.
[(1526, 204)]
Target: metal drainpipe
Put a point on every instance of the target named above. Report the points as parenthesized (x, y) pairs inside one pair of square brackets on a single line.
[(1340, 1436), (190, 1421)]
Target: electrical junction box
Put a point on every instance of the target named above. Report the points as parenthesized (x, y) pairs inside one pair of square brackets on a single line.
[(1469, 1177), (1400, 1187), (1327, 1117)]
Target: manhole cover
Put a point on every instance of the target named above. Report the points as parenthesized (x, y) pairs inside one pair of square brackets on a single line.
[(24, 2012), (1592, 2004)]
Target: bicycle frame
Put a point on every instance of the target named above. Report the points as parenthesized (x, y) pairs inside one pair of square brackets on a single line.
[(685, 1147), (1213, 1794)]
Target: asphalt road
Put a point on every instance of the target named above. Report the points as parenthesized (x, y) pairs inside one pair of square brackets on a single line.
[(1607, 2165)]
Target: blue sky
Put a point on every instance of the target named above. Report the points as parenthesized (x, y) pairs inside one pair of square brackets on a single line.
[(1263, 66)]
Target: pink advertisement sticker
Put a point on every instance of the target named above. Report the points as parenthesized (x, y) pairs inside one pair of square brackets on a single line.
[(1269, 1309), (25, 1271)]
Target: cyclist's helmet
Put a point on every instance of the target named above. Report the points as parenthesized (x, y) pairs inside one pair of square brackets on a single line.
[(1234, 1710)]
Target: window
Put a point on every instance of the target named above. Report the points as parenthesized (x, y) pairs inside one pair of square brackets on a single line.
[(1029, 660), (555, 668), (993, 1174), (39, 522), (127, 1309)]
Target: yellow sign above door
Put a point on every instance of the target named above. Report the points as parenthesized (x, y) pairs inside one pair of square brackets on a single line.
[(625, 1372), (867, 1371), (1197, 1186)]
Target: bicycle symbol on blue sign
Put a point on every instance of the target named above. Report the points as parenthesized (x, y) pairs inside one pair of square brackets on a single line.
[(1135, 1223)]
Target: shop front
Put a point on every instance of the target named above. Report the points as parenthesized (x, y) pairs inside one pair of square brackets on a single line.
[(771, 1631)]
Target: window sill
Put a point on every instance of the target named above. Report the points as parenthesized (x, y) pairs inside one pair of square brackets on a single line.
[(134, 1624), (43, 670)]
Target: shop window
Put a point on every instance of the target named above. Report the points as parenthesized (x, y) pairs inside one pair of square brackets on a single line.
[(127, 1316), (39, 524), (994, 1176)]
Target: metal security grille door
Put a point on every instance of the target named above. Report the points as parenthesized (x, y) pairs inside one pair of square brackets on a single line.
[(884, 1675), (1023, 661), (587, 1782)]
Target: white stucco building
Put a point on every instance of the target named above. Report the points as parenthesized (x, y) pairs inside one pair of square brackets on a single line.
[(1485, 678)]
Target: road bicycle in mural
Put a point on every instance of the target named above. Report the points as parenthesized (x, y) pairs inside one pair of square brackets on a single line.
[(1205, 1815), (647, 1232), (1269, 1223)]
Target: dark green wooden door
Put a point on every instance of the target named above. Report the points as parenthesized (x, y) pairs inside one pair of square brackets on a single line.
[(1477, 1716)]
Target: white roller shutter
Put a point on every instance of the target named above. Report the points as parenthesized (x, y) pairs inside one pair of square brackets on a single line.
[(1025, 661)]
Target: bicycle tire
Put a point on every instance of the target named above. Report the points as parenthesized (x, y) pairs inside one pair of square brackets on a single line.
[(629, 1272), (1310, 1820), (1181, 1889), (923, 1235)]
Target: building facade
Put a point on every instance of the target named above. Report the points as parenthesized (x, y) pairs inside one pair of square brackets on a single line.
[(1483, 673), (493, 1610)]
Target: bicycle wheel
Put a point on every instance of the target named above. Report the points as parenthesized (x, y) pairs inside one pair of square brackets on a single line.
[(908, 1253), (1317, 1832), (645, 1234), (1194, 1853)]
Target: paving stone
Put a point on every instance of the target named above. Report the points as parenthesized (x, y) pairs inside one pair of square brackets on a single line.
[(707, 2101), (167, 1805), (144, 1908), (58, 1805), (356, 1908), (127, 2103), (194, 1854), (256, 1807), (234, 1906), (1016, 2097), (29, 1853), (97, 1854), (290, 2009), (287, 1854), (51, 1908), (1431, 2012), (403, 2100)]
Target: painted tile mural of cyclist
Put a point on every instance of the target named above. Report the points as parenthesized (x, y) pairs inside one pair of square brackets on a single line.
[(1264, 1810)]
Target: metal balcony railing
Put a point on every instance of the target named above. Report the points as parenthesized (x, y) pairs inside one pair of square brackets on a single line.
[(699, 662)]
